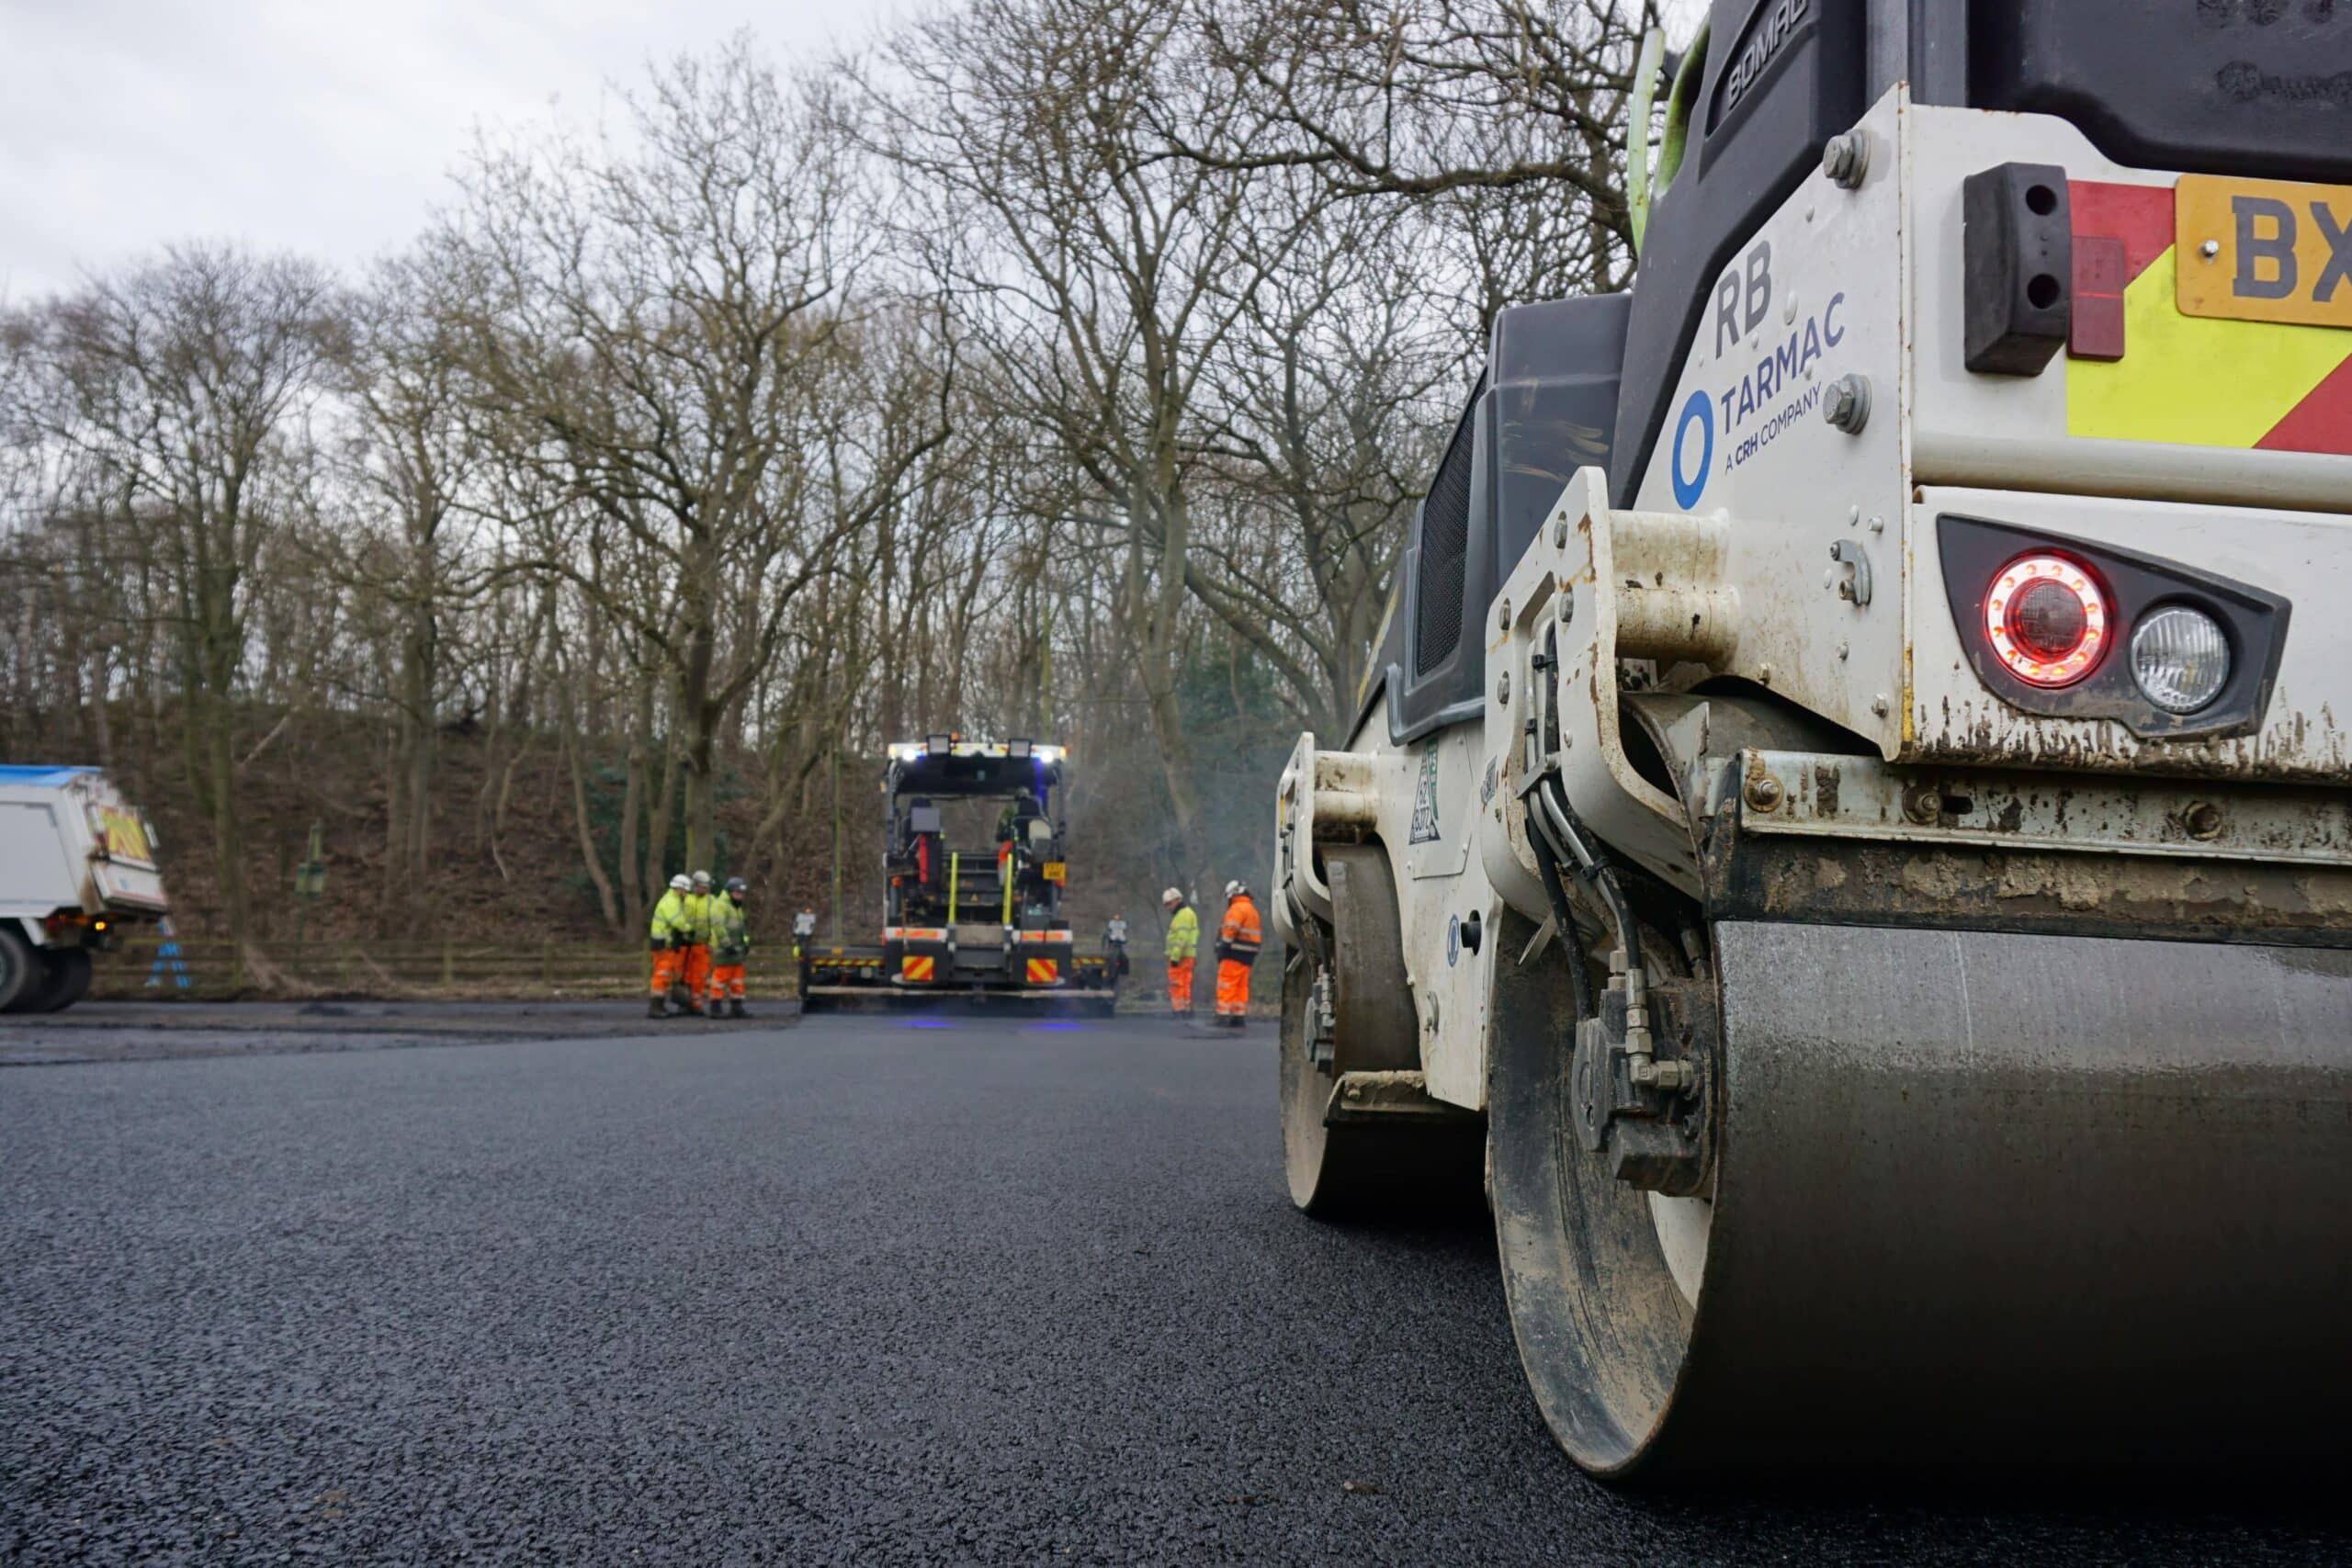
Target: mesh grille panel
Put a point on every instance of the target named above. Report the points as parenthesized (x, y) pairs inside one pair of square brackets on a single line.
[(1445, 543)]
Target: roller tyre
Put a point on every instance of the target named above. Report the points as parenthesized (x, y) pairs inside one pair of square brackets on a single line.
[(1974, 1195), (1353, 1169)]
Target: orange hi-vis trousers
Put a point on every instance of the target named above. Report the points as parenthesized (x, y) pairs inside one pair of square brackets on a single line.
[(726, 980), (669, 966), (1179, 984), (698, 975), (1232, 988)]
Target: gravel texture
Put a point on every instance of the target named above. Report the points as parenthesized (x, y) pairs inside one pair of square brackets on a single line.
[(142, 1032), (857, 1290)]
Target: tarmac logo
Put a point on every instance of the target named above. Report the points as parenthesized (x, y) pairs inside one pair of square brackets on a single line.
[(911, 967), (1689, 487), (1425, 828)]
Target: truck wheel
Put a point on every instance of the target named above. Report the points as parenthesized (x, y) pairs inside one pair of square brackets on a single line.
[(65, 979), (20, 969), (1350, 1167)]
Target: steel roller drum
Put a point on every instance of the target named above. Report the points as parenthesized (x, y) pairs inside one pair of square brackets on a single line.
[(1982, 1197)]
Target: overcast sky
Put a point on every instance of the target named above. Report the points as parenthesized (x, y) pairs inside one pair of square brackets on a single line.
[(322, 125), (327, 127)]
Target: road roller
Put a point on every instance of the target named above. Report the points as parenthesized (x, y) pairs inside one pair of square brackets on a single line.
[(1845, 837)]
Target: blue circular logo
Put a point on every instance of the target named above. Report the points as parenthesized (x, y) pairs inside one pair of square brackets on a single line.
[(1701, 409), (1453, 940)]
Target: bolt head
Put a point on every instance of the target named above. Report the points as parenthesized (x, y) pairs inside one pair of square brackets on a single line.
[(1502, 688), (2209, 249), (1846, 159), (1847, 404), (1879, 704), (1502, 617), (1763, 792), (2204, 821)]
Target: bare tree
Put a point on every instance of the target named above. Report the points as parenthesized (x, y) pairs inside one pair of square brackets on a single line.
[(189, 382), (1072, 370), (1506, 117), (409, 453), (1329, 405), (1102, 274), (655, 316)]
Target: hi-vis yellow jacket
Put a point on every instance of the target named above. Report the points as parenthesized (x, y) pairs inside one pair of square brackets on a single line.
[(1184, 933), (668, 923), (697, 919), (730, 932)]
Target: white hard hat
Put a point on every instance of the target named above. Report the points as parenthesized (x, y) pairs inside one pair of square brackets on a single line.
[(1172, 897), (702, 879), (680, 881), (1231, 889)]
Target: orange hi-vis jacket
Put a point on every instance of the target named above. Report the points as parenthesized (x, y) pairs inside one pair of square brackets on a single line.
[(1240, 936)]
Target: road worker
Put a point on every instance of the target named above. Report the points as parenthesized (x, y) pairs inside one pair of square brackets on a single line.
[(667, 938), (731, 944), (698, 972), (1238, 940), (1184, 942)]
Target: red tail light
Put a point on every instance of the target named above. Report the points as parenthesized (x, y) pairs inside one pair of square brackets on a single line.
[(2046, 619)]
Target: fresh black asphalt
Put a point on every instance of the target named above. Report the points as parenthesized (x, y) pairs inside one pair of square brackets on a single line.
[(858, 1291)]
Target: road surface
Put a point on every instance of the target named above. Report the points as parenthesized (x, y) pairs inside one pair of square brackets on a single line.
[(860, 1289)]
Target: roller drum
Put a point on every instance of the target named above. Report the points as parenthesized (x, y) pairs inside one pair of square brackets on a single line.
[(1985, 1197)]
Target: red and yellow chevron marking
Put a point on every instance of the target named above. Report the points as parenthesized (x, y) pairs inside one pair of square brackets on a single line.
[(911, 967), (2197, 380), (1043, 971)]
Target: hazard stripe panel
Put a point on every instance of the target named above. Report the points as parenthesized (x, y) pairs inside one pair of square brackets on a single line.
[(2195, 381), (914, 968), (1043, 971)]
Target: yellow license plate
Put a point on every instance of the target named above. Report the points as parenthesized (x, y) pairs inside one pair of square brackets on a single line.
[(1056, 871), (2265, 250)]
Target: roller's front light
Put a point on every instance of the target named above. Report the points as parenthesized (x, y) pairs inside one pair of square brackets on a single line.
[(2180, 658)]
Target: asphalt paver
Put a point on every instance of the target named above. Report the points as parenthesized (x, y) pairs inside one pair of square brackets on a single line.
[(873, 1290)]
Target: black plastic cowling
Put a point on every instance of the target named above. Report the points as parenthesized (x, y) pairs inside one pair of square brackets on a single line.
[(1542, 408)]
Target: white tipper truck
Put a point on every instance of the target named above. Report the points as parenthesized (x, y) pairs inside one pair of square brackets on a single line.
[(77, 865)]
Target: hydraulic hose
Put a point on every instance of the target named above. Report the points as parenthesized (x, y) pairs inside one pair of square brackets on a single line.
[(1547, 866), (1596, 873)]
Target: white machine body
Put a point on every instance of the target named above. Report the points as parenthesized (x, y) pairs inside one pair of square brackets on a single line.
[(1773, 548)]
